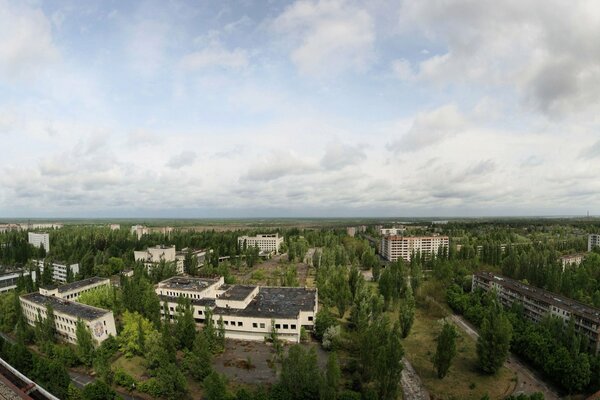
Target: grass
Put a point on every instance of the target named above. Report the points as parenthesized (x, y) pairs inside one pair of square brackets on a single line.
[(463, 380), (134, 366)]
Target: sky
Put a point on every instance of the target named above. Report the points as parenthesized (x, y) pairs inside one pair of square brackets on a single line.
[(299, 108)]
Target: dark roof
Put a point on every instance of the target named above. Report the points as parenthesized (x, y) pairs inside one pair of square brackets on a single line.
[(67, 307), (187, 283), (275, 302), (196, 302), (76, 285), (544, 296), (237, 292)]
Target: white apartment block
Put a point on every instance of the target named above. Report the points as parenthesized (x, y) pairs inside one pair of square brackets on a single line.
[(593, 241), (395, 247), (39, 239), (72, 291), (248, 312), (59, 269), (141, 230), (66, 313), (114, 227), (392, 231), (33, 226), (154, 255), (9, 227), (267, 243), (351, 231), (571, 259), (8, 280)]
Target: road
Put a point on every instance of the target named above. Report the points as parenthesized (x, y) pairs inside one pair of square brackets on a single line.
[(529, 381), (412, 387)]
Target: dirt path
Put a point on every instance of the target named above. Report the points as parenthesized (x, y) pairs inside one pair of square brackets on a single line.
[(529, 381), (412, 387)]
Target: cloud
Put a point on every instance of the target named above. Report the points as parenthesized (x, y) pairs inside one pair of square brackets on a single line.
[(591, 152), (327, 36), (184, 159), (430, 128), (403, 69), (215, 56), (147, 44), (278, 165), (339, 155)]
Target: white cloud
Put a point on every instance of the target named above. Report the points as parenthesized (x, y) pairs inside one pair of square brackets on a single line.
[(215, 56), (327, 36), (339, 155), (403, 69), (183, 159)]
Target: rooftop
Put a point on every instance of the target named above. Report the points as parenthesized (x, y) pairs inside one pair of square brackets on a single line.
[(77, 285), (237, 292), (67, 307), (196, 302), (275, 302), (187, 283)]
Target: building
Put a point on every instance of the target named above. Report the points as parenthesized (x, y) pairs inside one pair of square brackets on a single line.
[(33, 226), (440, 222), (538, 303), (8, 280), (392, 231), (9, 227), (141, 230), (362, 228), (593, 241), (72, 291), (66, 313), (267, 243), (351, 231), (248, 312), (154, 255), (571, 259), (59, 269), (14, 385), (114, 227), (394, 247), (39, 239)]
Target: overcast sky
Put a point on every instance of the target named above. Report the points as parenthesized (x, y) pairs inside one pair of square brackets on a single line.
[(305, 108)]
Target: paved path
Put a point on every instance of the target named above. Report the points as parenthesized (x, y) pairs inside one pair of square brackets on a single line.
[(529, 381), (412, 387)]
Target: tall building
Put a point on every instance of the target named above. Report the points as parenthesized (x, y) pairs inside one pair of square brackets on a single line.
[(593, 241), (59, 269), (392, 231), (248, 312), (394, 247), (39, 239), (267, 243), (351, 231), (538, 303)]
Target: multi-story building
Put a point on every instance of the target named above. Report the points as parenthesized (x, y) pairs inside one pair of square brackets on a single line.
[(268, 243), (395, 247), (9, 227), (571, 259), (39, 239), (154, 255), (66, 314), (59, 269), (8, 280), (538, 303), (141, 230), (248, 312), (114, 227), (72, 291), (41, 225), (392, 231), (351, 231), (593, 241)]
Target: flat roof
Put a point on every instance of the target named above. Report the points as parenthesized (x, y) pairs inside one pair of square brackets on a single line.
[(275, 302), (196, 302), (543, 295), (67, 307), (237, 292), (78, 284), (187, 283)]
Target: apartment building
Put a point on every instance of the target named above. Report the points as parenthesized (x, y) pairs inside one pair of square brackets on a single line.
[(394, 247), (8, 280), (571, 259), (59, 269), (593, 241), (39, 239), (248, 312), (141, 230), (538, 303), (268, 243), (9, 227), (66, 313), (72, 291), (351, 231), (114, 227), (392, 231)]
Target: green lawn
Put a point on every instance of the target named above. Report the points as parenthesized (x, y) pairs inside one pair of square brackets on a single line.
[(134, 366)]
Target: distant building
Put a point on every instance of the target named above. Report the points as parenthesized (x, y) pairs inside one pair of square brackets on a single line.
[(8, 280), (141, 230), (154, 255), (571, 259), (392, 231), (66, 314), (247, 311), (114, 227), (72, 291), (538, 303), (351, 231), (9, 227), (39, 239), (593, 241), (267, 243), (59, 269), (33, 226), (362, 228), (395, 247), (441, 222)]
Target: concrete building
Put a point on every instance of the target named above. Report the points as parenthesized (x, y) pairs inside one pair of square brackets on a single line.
[(66, 313), (394, 247), (351, 231), (39, 239), (571, 259), (72, 291), (8, 280), (394, 231), (114, 227), (440, 222), (41, 225), (538, 303), (248, 312), (154, 255), (593, 241), (141, 230), (14, 385), (59, 269), (9, 227), (267, 243)]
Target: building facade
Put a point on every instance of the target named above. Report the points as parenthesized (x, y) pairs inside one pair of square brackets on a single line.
[(39, 239), (8, 280), (395, 247), (59, 269), (268, 243), (248, 312), (66, 313), (72, 291), (392, 231), (351, 231), (571, 259), (593, 241), (539, 303)]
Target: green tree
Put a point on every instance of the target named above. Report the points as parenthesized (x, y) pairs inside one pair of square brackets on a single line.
[(446, 350), (407, 313), (331, 380), (299, 378), (85, 343), (493, 343), (215, 387), (98, 390), (134, 327), (185, 325), (198, 361)]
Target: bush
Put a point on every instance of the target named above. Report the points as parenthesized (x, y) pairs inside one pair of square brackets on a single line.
[(151, 387), (123, 379), (331, 338)]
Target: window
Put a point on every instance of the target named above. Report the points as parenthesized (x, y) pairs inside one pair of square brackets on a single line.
[(310, 318), (277, 326), (240, 323), (254, 325), (262, 325), (285, 326), (226, 322), (293, 326)]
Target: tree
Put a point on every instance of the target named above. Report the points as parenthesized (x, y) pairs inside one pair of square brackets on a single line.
[(446, 350), (98, 390), (134, 327), (331, 380), (85, 343), (215, 387), (46, 327), (299, 378), (407, 313), (185, 325), (198, 361), (323, 321), (190, 263), (494, 341)]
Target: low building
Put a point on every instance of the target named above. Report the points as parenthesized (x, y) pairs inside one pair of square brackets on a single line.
[(539, 303), (571, 259), (114, 227), (41, 225), (268, 243), (248, 312), (593, 241), (153, 256), (394, 231), (66, 313), (59, 269), (72, 291), (39, 239), (8, 280), (440, 222), (394, 247)]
